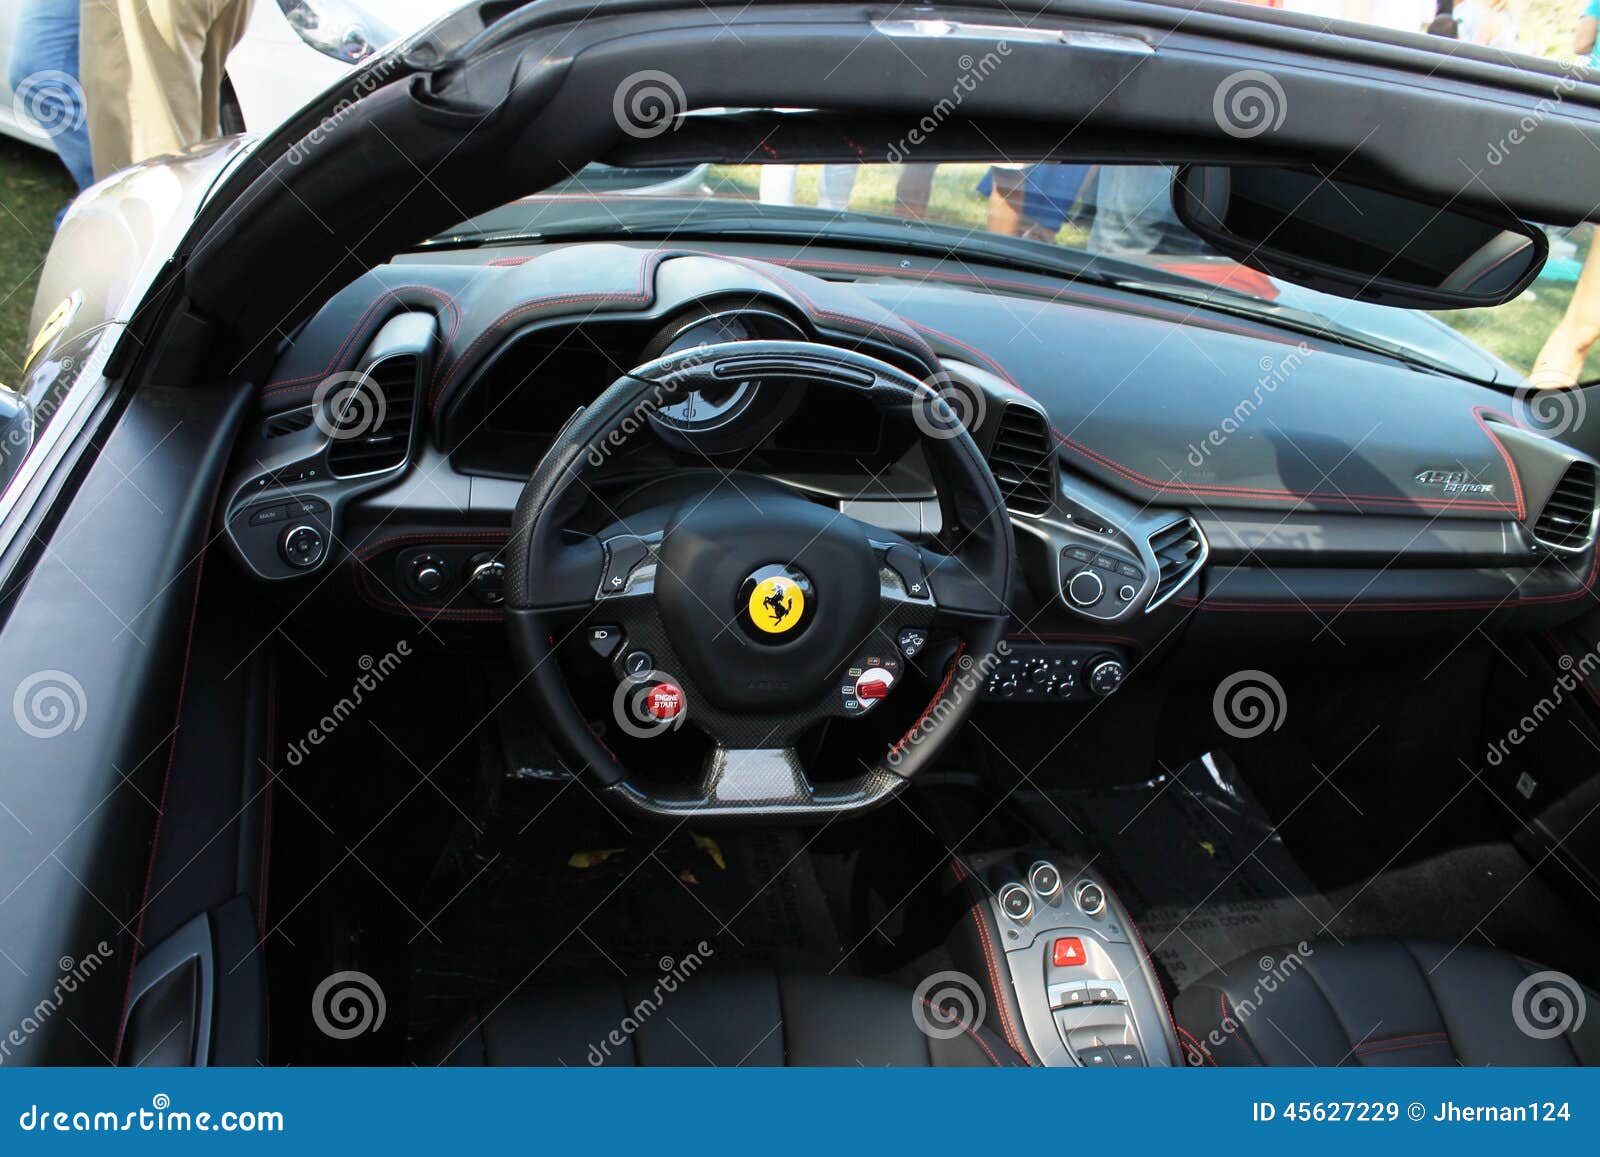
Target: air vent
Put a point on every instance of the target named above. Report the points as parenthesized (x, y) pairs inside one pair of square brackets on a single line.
[(1179, 550), (1023, 460), (372, 419), (280, 424), (1567, 520)]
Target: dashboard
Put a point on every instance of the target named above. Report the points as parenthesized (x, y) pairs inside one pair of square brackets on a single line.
[(1165, 468)]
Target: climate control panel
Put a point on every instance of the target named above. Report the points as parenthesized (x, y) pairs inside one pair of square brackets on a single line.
[(1044, 673)]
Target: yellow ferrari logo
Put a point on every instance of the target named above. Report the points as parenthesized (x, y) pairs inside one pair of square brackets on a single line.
[(776, 605)]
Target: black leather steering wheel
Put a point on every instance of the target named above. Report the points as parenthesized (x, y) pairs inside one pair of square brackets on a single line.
[(760, 611)]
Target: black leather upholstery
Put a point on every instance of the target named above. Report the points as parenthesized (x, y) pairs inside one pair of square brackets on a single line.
[(746, 1018), (1387, 1002)]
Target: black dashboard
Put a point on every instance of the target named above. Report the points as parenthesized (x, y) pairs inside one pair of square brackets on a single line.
[(1163, 465)]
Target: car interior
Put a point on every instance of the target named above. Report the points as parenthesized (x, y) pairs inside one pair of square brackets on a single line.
[(605, 616)]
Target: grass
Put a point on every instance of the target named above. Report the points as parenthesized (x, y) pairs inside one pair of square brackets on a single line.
[(33, 188)]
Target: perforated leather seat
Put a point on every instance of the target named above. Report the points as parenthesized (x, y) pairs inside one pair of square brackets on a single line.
[(1388, 1002), (760, 1018)]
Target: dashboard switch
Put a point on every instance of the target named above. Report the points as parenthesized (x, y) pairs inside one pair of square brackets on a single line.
[(1105, 675), (665, 701), (1016, 902), (486, 578), (1067, 952), (1085, 588), (302, 546), (605, 640), (873, 683), (911, 641)]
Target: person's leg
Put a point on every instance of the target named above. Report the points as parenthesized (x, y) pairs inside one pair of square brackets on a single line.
[(143, 64), (1560, 360), (834, 187), (914, 189), (43, 73), (1005, 203), (778, 184), (224, 36)]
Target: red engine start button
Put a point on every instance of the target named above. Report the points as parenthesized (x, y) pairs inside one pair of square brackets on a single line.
[(666, 701)]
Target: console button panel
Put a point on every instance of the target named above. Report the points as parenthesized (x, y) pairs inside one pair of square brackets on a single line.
[(1049, 673), (1086, 995)]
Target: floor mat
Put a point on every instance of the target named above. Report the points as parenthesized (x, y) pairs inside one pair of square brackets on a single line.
[(575, 894), (1193, 856)]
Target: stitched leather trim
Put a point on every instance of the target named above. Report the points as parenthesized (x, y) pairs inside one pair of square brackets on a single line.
[(362, 325), (967, 1028), (1002, 1005), (1157, 486)]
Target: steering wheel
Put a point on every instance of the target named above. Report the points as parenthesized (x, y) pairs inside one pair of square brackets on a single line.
[(747, 609)]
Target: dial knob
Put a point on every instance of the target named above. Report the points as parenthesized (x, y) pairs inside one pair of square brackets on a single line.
[(486, 578), (1039, 672), (1007, 684), (1085, 588), (1105, 675), (428, 576), (302, 546)]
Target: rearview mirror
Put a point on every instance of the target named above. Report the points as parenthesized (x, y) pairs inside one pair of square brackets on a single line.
[(1355, 241)]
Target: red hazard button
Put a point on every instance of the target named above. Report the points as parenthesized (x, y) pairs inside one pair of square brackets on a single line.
[(666, 701), (1067, 952)]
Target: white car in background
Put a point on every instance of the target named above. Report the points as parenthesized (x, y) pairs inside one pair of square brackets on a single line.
[(291, 51)]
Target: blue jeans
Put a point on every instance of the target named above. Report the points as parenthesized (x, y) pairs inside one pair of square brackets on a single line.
[(43, 75)]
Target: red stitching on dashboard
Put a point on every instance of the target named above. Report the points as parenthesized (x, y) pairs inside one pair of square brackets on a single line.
[(641, 295), (1129, 474), (386, 297)]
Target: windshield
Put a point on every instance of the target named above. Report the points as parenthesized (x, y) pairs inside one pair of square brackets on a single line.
[(1110, 224)]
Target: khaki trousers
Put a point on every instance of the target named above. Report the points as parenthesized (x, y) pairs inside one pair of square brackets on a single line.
[(152, 74)]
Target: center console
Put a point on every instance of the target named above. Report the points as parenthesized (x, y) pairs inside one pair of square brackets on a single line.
[(1084, 991)]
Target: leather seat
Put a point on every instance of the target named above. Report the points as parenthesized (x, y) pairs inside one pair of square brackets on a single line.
[(1387, 1002), (760, 1018)]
